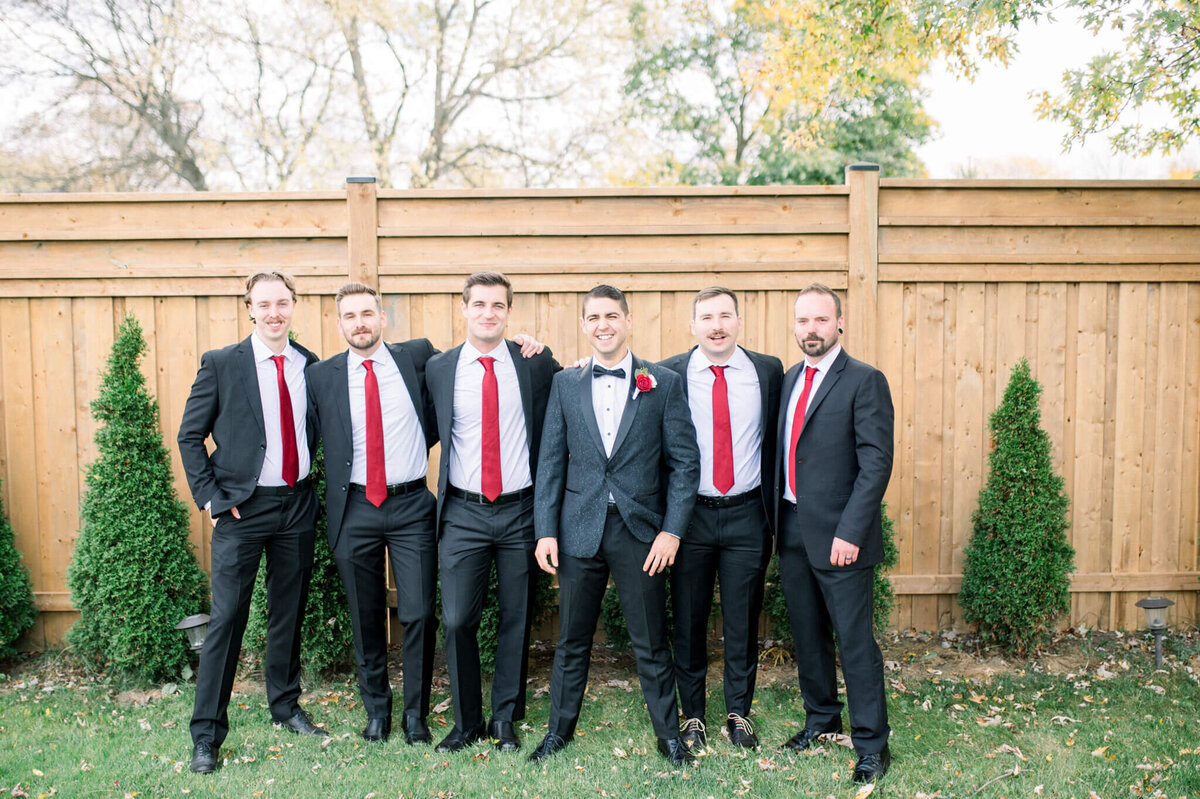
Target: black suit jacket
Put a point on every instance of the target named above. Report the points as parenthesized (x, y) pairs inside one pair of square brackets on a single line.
[(329, 401), (534, 376), (226, 403), (770, 376), (652, 475), (843, 460)]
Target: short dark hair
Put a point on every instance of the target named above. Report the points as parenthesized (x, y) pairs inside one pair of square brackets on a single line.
[(711, 292), (486, 279), (606, 292), (271, 274), (354, 287), (821, 288)]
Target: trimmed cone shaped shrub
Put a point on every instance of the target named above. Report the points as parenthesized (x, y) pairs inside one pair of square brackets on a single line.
[(327, 636), (133, 574), (16, 593), (1018, 560)]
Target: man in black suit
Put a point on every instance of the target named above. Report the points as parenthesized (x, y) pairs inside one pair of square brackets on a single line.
[(250, 397), (490, 404), (617, 478), (733, 395), (835, 444), (377, 425)]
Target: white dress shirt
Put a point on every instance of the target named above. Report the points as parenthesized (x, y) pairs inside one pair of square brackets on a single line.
[(466, 429), (745, 419), (608, 400), (404, 452), (823, 367), (268, 391)]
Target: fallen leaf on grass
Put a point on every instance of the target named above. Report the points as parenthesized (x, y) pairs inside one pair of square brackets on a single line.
[(1012, 750), (1064, 720), (841, 739), (38, 773), (1099, 752), (767, 763), (443, 706), (988, 721), (619, 752), (865, 791)]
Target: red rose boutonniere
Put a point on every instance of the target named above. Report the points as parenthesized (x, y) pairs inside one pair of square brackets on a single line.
[(643, 381)]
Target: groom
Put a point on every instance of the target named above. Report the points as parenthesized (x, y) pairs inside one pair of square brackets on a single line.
[(616, 483)]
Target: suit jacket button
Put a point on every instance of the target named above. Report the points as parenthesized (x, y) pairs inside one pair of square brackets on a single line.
[(343, 488), (347, 463)]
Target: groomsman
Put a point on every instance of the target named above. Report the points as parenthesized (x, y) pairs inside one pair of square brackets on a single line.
[(250, 397), (616, 483), (490, 405), (377, 423), (835, 445), (733, 395)]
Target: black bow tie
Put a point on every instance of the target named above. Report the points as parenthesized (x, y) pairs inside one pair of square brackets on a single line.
[(600, 371)]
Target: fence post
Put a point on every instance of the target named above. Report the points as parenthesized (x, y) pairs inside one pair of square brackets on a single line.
[(362, 231), (862, 284)]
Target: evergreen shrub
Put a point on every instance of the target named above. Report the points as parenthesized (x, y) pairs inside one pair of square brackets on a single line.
[(133, 574), (1017, 563), (16, 593)]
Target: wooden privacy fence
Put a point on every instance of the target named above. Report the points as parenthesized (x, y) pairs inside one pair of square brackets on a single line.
[(947, 283)]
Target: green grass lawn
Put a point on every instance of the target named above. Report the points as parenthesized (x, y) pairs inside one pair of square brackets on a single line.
[(1094, 718)]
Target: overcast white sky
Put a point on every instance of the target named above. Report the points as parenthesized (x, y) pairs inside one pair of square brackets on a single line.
[(991, 126)]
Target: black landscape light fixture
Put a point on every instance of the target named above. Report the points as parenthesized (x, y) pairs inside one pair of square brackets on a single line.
[(1156, 621), (196, 628)]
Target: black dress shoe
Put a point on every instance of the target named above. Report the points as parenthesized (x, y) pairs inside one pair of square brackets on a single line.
[(301, 724), (416, 731), (804, 739), (740, 732), (204, 757), (692, 731), (504, 735), (378, 729), (675, 750), (457, 739), (873, 766), (550, 744)]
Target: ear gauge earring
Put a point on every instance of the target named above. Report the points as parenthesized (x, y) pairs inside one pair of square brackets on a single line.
[(840, 331)]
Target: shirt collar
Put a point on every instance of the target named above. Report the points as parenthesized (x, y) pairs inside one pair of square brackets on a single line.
[(626, 363), (355, 360), (499, 352), (827, 360), (262, 352), (700, 362)]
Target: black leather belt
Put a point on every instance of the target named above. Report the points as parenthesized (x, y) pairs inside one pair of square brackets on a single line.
[(480, 499), (395, 489), (282, 491), (752, 495)]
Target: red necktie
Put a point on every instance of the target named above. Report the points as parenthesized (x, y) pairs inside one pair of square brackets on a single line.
[(798, 425), (287, 426), (490, 480), (722, 433), (376, 466)]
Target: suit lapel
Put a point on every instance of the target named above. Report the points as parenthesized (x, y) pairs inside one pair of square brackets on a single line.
[(248, 369), (408, 371), (631, 406), (448, 365), (764, 388), (525, 381), (589, 412), (785, 398), (341, 390), (683, 370), (827, 384)]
